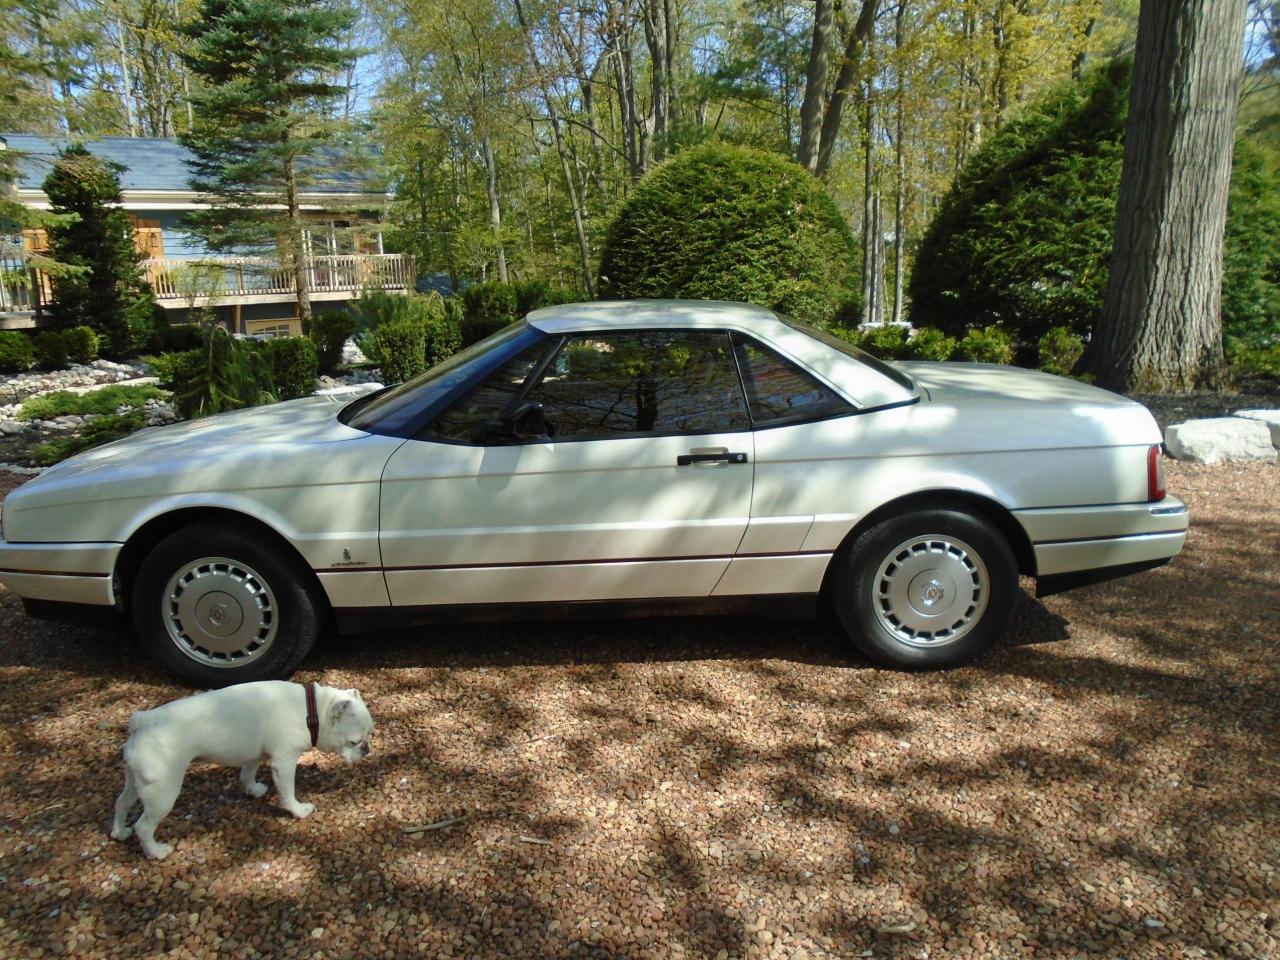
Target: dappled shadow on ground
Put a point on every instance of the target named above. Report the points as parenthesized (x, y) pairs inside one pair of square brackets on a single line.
[(706, 787)]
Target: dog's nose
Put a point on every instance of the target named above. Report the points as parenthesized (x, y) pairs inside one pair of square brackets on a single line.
[(364, 749)]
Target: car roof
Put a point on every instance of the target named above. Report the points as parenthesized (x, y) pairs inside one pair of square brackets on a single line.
[(857, 379), (572, 317)]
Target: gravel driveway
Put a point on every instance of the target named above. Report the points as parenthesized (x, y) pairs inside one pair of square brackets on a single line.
[(1106, 783)]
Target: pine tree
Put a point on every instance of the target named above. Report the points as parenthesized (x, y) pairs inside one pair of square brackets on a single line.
[(104, 290), (262, 130)]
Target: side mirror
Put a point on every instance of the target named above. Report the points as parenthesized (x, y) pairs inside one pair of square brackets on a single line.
[(529, 422)]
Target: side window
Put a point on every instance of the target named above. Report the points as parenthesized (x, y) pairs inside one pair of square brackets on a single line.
[(469, 419), (653, 381), (780, 392)]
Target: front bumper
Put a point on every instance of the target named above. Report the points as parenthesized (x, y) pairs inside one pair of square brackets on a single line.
[(80, 573), (1069, 540)]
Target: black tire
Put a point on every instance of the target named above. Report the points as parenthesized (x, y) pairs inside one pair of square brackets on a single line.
[(926, 590), (267, 587)]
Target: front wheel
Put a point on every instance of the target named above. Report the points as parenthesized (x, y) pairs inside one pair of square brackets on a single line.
[(216, 607), (926, 590)]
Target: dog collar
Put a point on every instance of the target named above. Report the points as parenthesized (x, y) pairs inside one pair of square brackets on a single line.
[(313, 716)]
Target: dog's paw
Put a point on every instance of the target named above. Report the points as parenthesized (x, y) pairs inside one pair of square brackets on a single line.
[(256, 790), (301, 810), (158, 851), (121, 833)]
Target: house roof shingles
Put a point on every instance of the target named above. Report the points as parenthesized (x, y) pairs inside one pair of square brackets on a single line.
[(149, 163)]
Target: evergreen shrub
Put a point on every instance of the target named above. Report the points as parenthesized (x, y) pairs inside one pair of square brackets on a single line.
[(931, 344), (486, 309), (292, 363), (1060, 350), (82, 344), (51, 350), (329, 331), (725, 222), (400, 349), (989, 344), (16, 352), (1024, 236)]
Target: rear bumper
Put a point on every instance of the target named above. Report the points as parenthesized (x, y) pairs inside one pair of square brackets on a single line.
[(1120, 538), (79, 573)]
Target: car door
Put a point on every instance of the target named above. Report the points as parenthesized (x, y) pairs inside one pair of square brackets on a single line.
[(640, 488)]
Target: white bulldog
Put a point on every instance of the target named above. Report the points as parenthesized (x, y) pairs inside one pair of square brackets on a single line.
[(240, 726)]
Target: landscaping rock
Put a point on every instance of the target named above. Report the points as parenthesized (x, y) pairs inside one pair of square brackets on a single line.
[(1220, 438), (1270, 417)]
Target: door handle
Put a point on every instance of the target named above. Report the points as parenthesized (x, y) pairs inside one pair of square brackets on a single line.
[(684, 459)]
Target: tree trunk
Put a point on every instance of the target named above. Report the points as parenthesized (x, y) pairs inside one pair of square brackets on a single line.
[(299, 254), (126, 79), (845, 80), (659, 32), (571, 187), (495, 211), (899, 163), (815, 85), (1161, 324)]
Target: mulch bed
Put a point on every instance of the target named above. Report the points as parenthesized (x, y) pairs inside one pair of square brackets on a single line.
[(1107, 782)]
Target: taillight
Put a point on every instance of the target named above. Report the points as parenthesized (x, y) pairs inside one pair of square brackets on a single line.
[(1155, 472)]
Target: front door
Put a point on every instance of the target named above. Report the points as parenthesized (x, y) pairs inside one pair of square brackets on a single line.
[(641, 486)]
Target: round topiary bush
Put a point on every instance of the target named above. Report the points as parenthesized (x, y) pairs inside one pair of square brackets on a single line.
[(1023, 237), (51, 350), (721, 222), (82, 344)]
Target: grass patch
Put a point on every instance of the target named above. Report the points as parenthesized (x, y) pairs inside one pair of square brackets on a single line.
[(95, 433), (104, 401)]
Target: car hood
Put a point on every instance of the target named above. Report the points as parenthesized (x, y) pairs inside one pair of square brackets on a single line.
[(294, 423)]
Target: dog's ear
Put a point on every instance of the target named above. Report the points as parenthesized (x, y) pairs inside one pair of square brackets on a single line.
[(340, 710)]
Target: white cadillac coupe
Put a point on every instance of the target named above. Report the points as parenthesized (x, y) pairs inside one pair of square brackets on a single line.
[(683, 455)]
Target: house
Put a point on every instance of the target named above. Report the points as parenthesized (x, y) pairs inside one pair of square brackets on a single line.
[(249, 294)]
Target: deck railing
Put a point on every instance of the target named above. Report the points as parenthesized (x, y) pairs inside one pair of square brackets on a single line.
[(17, 286), (200, 281)]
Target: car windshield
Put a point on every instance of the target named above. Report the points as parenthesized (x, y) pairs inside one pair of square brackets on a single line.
[(849, 350), (386, 410)]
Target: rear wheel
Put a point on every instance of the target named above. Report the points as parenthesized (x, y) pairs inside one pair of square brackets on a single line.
[(926, 590), (216, 606)]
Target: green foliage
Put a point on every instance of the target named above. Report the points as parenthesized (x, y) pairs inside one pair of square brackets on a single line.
[(888, 343), (82, 344), (400, 347), (486, 309), (1251, 250), (105, 293), (292, 364), (329, 331), (163, 366), (931, 344), (262, 114), (891, 343), (990, 344), (724, 222), (16, 353), (94, 434), (51, 350), (1060, 350), (104, 400), (1253, 361), (223, 374), (1024, 236), (434, 324)]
